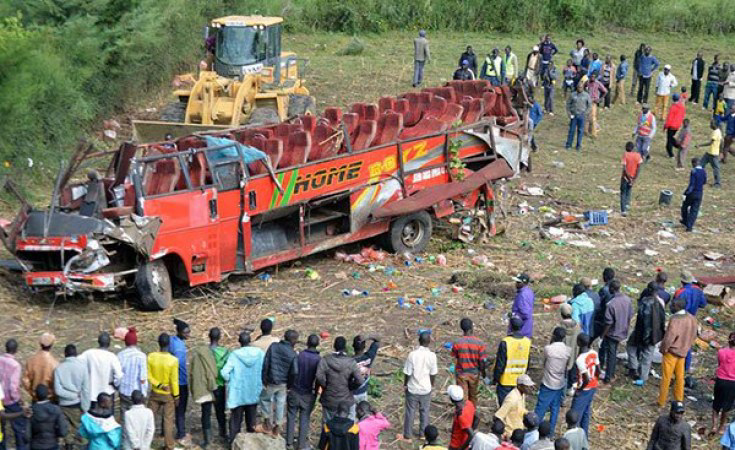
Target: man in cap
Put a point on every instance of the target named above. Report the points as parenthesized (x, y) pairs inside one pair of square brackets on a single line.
[(676, 344), (421, 54), (694, 298), (644, 131), (71, 384), (514, 406), (463, 73), (511, 360), (39, 368), (671, 431), (464, 422), (178, 349), (664, 83), (533, 66), (523, 304), (105, 371), (134, 368)]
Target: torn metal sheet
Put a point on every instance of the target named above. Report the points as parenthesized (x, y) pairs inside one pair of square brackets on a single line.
[(139, 232), (427, 197)]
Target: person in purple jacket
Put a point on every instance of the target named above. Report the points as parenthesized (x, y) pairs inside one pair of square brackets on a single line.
[(523, 304)]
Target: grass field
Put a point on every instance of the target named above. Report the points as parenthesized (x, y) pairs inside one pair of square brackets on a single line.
[(622, 415)]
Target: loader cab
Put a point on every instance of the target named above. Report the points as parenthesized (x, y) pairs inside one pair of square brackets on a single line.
[(246, 44)]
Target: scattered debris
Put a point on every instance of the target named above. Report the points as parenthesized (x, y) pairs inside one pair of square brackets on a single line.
[(558, 164), (531, 191), (713, 256), (663, 234), (607, 190), (717, 294), (649, 252), (366, 255), (312, 274)]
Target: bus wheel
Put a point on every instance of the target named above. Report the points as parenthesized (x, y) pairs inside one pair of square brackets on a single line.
[(153, 284), (410, 233)]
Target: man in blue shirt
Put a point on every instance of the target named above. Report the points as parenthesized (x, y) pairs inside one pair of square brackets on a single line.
[(534, 115), (729, 133), (548, 50), (177, 347), (647, 66), (595, 65), (620, 74), (693, 195)]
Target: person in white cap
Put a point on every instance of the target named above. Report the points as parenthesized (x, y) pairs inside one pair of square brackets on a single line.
[(664, 83), (465, 420), (533, 66), (514, 406)]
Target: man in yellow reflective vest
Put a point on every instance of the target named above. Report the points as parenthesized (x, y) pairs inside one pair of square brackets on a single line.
[(493, 69), (511, 360), (511, 66)]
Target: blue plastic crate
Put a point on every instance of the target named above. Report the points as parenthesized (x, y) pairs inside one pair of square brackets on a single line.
[(596, 217)]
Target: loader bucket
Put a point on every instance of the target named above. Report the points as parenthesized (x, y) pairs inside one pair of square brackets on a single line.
[(156, 130)]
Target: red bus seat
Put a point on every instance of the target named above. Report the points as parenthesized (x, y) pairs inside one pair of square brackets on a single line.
[(365, 135), (473, 110), (427, 125), (333, 115), (386, 104), (452, 113), (436, 107), (297, 151), (390, 125), (371, 111), (161, 176)]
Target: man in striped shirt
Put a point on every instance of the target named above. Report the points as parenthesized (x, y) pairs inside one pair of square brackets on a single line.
[(470, 355), (135, 371)]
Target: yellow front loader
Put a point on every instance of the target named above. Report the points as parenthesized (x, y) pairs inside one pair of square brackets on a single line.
[(246, 78)]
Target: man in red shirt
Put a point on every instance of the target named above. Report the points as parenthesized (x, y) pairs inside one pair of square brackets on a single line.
[(465, 420), (676, 116), (469, 355), (631, 167)]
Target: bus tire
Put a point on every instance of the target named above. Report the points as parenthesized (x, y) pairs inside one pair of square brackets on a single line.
[(153, 285), (410, 233)]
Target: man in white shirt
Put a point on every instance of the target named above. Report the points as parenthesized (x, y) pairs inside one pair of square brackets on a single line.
[(104, 369), (491, 441), (419, 372), (139, 424), (664, 83)]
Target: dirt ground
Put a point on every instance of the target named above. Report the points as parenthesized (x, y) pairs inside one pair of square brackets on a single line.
[(622, 414)]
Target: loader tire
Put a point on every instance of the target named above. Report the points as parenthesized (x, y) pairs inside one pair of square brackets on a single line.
[(174, 112), (409, 233), (263, 116), (299, 105), (153, 284)]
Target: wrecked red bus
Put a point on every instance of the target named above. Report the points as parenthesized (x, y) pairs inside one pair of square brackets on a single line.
[(201, 207)]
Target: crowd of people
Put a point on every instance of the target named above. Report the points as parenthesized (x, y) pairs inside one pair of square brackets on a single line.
[(269, 384), (591, 81)]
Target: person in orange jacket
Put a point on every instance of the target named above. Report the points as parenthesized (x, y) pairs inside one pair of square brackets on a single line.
[(675, 118)]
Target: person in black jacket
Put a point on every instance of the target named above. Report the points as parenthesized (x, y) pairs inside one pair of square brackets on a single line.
[(279, 371), (649, 330), (471, 58), (697, 73), (340, 432), (608, 274), (48, 424), (636, 67)]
